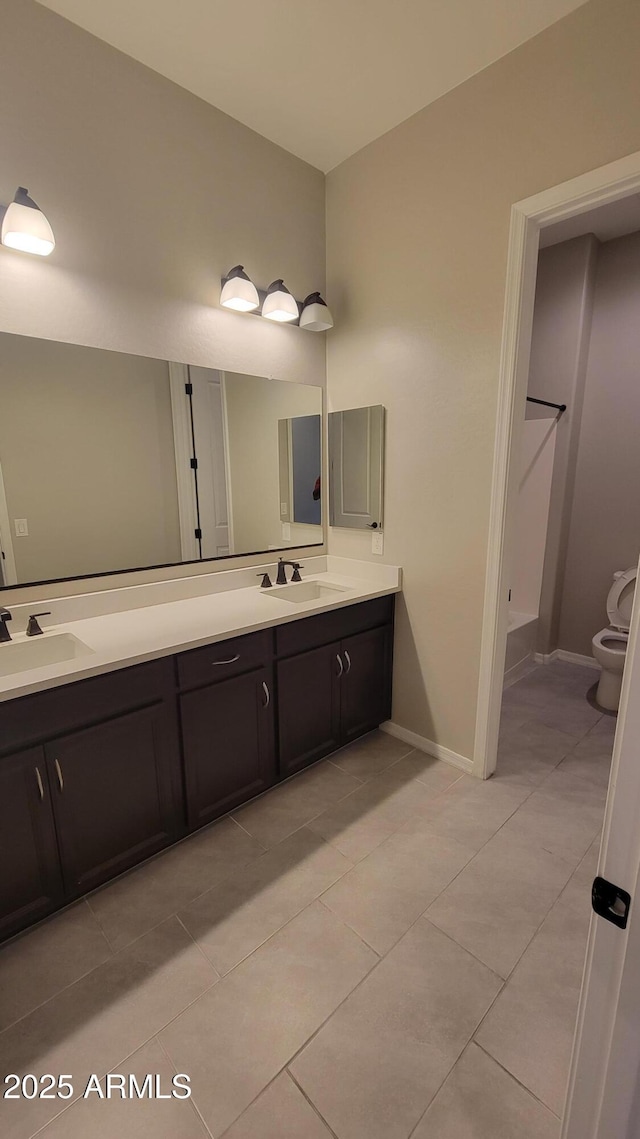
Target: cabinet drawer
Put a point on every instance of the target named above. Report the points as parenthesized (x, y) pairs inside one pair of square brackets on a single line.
[(30, 719), (223, 659), (311, 632)]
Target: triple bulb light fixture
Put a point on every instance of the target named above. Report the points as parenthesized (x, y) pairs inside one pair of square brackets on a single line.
[(278, 304), (25, 227)]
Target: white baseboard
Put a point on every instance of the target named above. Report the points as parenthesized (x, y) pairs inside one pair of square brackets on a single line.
[(431, 748), (564, 654)]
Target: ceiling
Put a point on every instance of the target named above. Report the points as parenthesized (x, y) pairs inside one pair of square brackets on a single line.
[(320, 79), (613, 220)]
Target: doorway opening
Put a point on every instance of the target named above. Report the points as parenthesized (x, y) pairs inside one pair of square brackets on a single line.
[(553, 602)]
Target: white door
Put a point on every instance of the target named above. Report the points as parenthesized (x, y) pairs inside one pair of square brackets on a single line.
[(211, 451), (603, 1099)]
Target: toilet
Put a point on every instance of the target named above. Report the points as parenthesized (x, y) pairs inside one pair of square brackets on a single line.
[(610, 645)]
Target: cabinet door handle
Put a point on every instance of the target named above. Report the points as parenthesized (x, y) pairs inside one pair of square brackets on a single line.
[(340, 665), (267, 694), (348, 660), (40, 787), (232, 660), (59, 774)]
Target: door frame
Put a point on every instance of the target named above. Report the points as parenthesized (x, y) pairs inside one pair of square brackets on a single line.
[(598, 187), (9, 572)]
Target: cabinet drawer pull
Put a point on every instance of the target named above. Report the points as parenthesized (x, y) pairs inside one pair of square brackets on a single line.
[(232, 660), (40, 787), (340, 665), (348, 660), (267, 694), (59, 774)]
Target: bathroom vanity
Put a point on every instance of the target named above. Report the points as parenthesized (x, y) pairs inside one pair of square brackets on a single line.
[(98, 774)]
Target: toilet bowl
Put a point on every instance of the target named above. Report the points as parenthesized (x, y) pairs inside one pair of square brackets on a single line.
[(610, 645)]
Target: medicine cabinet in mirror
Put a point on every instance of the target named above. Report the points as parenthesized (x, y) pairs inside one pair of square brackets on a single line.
[(356, 467), (111, 462)]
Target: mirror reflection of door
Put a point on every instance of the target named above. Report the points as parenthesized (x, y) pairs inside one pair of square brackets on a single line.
[(356, 466), (211, 450)]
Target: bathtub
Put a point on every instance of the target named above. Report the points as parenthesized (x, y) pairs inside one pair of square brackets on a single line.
[(521, 643)]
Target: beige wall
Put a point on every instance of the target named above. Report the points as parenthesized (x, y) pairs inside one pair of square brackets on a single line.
[(254, 406), (605, 519), (559, 352), (153, 195), (417, 243), (87, 455)]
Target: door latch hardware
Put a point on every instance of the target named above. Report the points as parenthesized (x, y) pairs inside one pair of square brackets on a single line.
[(610, 902)]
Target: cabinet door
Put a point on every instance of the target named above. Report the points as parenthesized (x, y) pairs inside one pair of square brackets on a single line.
[(30, 882), (228, 738), (112, 795), (308, 707), (365, 685)]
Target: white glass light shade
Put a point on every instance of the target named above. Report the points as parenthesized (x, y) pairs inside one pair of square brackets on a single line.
[(278, 304), (25, 227), (315, 315), (238, 292)]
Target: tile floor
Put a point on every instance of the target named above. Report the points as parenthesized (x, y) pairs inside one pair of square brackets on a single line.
[(379, 948)]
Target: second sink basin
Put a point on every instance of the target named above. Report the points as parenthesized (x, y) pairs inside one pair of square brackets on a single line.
[(36, 652), (299, 591)]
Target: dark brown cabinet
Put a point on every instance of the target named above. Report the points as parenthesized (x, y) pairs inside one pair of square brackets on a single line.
[(97, 775), (228, 741), (112, 796), (333, 694), (365, 684), (309, 707), (30, 880)]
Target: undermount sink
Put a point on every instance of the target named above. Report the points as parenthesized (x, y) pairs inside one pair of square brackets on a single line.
[(54, 648), (299, 591)]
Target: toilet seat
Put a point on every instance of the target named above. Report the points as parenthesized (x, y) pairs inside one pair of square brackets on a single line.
[(612, 641), (620, 599)]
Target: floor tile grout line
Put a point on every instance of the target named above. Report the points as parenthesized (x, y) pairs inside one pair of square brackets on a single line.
[(99, 924), (312, 1104), (198, 946), (192, 1101), (360, 936), (129, 1055), (515, 1078), (109, 960), (243, 829)]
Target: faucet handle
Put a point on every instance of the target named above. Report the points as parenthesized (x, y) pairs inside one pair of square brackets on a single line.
[(33, 628), (266, 580), (295, 576)]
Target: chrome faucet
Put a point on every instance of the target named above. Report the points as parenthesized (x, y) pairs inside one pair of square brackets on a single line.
[(282, 573), (5, 616)]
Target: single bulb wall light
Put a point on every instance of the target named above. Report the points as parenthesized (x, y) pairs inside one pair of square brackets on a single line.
[(279, 304), (315, 315), (25, 227), (239, 292)]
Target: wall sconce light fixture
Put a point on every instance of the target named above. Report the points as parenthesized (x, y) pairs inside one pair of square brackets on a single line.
[(239, 291), (315, 315), (279, 304), (25, 227)]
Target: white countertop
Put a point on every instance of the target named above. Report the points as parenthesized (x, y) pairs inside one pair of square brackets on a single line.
[(154, 628)]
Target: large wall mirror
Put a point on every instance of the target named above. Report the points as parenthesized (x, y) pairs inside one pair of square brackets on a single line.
[(111, 462)]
